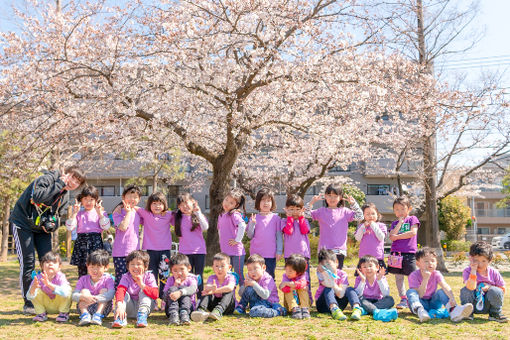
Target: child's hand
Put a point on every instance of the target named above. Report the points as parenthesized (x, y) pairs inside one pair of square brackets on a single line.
[(128, 207), (361, 276), (426, 274), (35, 285), (209, 289), (44, 279), (76, 208), (232, 242), (452, 302), (474, 265), (120, 310), (248, 282), (287, 213), (350, 199), (175, 295), (316, 198), (177, 281), (486, 287), (87, 298), (99, 208), (253, 218), (196, 207), (381, 273), (139, 280)]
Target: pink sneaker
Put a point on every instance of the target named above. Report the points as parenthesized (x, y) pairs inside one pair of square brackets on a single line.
[(40, 317), (62, 317)]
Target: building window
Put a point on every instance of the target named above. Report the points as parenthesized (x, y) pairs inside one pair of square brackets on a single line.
[(106, 190), (336, 169), (378, 189), (501, 231), (483, 230)]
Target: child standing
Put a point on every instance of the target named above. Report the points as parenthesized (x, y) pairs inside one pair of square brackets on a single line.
[(334, 292), (90, 224), (218, 296), (94, 292), (370, 235), (231, 228), (180, 290), (403, 234), (334, 220), (485, 286), (127, 227), (50, 292), (260, 294), (294, 285), (264, 231), (137, 291), (373, 289), (424, 299)]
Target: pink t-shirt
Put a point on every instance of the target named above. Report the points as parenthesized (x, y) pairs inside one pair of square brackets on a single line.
[(296, 243), (191, 242), (371, 291), (370, 244), (190, 280), (156, 230), (59, 280), (493, 277), (227, 229), (126, 241), (408, 245), (88, 221), (229, 278), (85, 282), (263, 242), (415, 280), (132, 288), (333, 226), (341, 280), (267, 282)]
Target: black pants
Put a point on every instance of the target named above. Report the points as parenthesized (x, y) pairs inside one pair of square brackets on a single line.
[(226, 303), (340, 258), (27, 243), (155, 257), (197, 262), (182, 303)]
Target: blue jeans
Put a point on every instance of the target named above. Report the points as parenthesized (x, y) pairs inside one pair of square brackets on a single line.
[(493, 303), (270, 265), (329, 298), (238, 266), (259, 308), (437, 300)]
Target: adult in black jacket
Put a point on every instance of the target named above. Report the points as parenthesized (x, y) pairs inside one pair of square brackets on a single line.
[(51, 193)]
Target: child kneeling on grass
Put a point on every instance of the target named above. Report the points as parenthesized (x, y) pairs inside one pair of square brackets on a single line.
[(295, 287), (218, 296), (50, 292), (137, 291), (260, 294), (424, 298)]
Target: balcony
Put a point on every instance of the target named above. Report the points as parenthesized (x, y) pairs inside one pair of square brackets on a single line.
[(386, 168)]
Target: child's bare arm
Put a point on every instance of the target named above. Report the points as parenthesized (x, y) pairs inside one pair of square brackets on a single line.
[(225, 289), (408, 234)]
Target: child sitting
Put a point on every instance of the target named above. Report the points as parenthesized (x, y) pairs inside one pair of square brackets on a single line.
[(485, 286), (179, 292), (94, 292), (334, 292), (295, 287), (218, 295), (137, 291), (424, 299), (373, 289), (260, 293), (50, 292)]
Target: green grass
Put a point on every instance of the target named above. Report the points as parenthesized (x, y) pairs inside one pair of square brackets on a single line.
[(13, 324)]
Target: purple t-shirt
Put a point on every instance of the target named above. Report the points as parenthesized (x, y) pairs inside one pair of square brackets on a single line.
[(341, 280), (59, 280), (229, 278), (371, 291), (126, 241), (409, 245), (267, 282), (493, 277), (263, 242), (85, 282), (88, 221), (191, 242), (370, 244), (156, 230), (190, 280), (415, 280), (296, 243), (333, 226), (227, 229), (132, 288)]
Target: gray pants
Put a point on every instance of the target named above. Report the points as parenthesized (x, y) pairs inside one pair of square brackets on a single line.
[(493, 303), (144, 304), (370, 305)]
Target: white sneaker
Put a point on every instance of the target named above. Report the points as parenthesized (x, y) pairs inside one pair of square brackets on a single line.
[(461, 312), (199, 315), (423, 315)]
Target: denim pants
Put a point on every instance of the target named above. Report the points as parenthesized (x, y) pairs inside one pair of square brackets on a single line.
[(238, 266), (436, 301), (370, 305), (493, 303), (270, 265), (259, 308), (329, 298)]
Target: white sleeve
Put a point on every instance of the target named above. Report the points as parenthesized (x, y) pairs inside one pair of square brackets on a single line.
[(384, 286), (358, 213), (71, 224), (104, 223), (361, 288), (358, 235), (250, 232), (241, 227), (377, 231), (204, 224)]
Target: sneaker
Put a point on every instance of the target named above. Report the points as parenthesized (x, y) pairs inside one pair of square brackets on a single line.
[(239, 310), (184, 316), (337, 314), (119, 323), (461, 312), (97, 319), (62, 317), (199, 315), (40, 317), (215, 314), (296, 313), (281, 311), (356, 314), (173, 319), (423, 315), (28, 309), (84, 319), (141, 319), (498, 318), (305, 313), (385, 315), (402, 304)]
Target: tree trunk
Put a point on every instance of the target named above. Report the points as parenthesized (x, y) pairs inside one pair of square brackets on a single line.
[(155, 182), (5, 229)]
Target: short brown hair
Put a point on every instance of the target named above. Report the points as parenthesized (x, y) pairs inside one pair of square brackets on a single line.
[(138, 255), (402, 200), (297, 262), (481, 248), (425, 252), (371, 206), (263, 193), (256, 258), (294, 200), (221, 257), (76, 172)]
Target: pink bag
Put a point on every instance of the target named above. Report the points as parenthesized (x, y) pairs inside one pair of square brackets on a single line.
[(395, 260)]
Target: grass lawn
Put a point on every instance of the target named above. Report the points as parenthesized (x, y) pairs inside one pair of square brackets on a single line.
[(13, 324)]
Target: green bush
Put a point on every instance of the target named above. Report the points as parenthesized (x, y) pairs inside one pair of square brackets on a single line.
[(456, 245)]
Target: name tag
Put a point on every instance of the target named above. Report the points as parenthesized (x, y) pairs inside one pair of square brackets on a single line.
[(405, 227)]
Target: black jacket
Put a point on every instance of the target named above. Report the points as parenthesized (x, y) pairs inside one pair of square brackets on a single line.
[(48, 188)]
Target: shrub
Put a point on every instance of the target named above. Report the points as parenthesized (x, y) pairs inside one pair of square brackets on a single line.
[(453, 216), (459, 258), (456, 245)]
